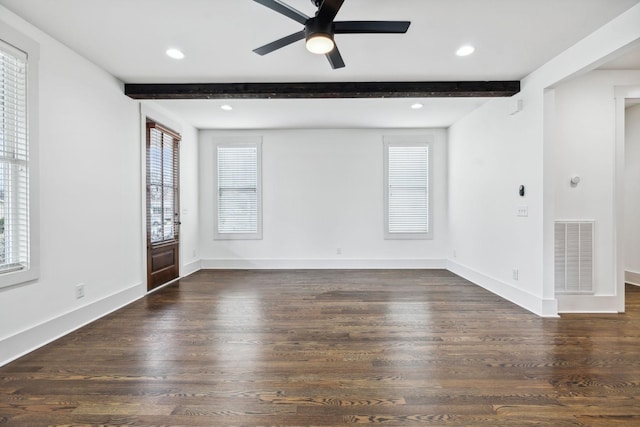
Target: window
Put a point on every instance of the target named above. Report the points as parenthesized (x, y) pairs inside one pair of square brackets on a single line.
[(238, 189), (407, 169), (17, 211), (163, 183)]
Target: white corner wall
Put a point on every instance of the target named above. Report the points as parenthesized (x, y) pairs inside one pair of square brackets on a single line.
[(492, 152), (632, 195), (585, 145), (189, 201), (90, 201), (323, 190)]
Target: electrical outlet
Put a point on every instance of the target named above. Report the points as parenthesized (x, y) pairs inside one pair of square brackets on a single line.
[(80, 290), (523, 211), (339, 251), (516, 273), (455, 253)]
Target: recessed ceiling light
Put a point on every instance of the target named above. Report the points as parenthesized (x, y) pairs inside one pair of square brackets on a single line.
[(226, 107), (465, 50), (175, 53), (417, 106)]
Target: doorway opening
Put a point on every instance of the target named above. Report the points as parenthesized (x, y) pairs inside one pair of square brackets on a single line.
[(631, 194)]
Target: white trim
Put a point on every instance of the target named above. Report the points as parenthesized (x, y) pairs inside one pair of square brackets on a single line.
[(576, 303), (18, 345), (539, 306), (238, 141), (27, 45), (302, 264), (408, 141), (164, 285), (191, 268), (632, 277), (621, 94), (144, 113), (548, 194)]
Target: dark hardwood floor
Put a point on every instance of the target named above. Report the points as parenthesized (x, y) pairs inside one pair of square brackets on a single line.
[(329, 348)]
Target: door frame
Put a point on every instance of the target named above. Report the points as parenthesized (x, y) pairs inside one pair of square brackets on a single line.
[(166, 251), (622, 93), (149, 112)]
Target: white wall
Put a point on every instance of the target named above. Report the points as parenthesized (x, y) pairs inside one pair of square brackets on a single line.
[(323, 190), (189, 201), (632, 195), (492, 152), (90, 200), (585, 145)]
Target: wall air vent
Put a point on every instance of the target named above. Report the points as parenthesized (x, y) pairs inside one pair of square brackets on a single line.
[(574, 257)]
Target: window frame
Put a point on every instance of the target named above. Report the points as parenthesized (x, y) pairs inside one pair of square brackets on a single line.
[(245, 141), (176, 138), (16, 40), (409, 141)]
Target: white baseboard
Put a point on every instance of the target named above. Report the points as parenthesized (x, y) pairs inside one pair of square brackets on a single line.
[(33, 338), (632, 277), (576, 303), (539, 306), (311, 264), (191, 268)]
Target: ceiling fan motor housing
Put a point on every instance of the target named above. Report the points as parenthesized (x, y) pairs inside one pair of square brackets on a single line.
[(314, 27)]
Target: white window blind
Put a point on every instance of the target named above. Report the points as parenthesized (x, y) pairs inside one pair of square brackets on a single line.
[(162, 181), (238, 191), (407, 207), (14, 161)]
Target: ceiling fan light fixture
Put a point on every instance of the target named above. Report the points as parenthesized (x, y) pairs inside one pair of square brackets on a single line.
[(319, 29), (320, 43)]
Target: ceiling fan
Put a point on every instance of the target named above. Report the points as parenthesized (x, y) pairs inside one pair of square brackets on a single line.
[(319, 29)]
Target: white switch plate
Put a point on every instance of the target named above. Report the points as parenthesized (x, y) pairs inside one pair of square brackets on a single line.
[(523, 211)]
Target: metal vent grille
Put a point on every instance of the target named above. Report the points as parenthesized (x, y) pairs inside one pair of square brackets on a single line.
[(574, 257)]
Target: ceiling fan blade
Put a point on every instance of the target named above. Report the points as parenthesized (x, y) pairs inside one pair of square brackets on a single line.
[(285, 41), (328, 10), (368, 27), (285, 10), (335, 59)]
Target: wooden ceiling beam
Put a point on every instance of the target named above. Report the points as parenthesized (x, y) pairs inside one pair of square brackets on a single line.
[(463, 89)]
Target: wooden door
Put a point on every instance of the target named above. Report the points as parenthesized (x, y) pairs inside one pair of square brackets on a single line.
[(163, 220)]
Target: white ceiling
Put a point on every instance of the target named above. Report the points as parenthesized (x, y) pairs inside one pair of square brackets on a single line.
[(128, 38)]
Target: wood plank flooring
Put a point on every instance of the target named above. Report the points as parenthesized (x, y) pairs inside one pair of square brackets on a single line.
[(331, 348)]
